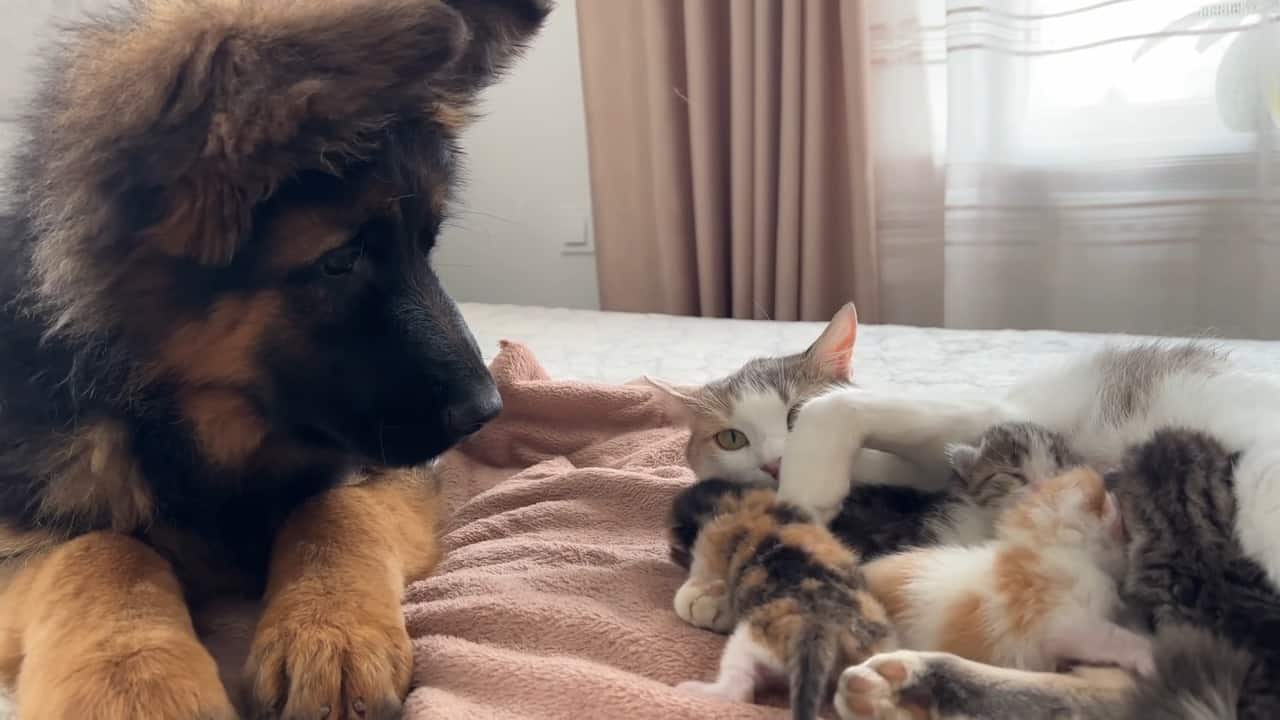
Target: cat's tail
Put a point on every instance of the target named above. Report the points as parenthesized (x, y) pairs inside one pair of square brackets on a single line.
[(812, 662), (1199, 676)]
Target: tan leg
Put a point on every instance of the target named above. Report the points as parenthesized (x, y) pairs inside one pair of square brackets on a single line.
[(98, 628), (332, 640)]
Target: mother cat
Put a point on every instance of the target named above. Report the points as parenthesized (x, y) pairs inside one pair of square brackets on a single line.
[(1105, 404)]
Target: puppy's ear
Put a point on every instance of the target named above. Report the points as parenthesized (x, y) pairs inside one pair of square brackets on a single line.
[(198, 110), (499, 33), (832, 352), (678, 402)]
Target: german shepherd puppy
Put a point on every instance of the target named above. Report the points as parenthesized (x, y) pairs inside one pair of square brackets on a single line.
[(224, 349)]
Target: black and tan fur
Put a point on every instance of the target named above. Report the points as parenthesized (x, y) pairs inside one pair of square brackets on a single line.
[(225, 349), (795, 594), (1215, 615)]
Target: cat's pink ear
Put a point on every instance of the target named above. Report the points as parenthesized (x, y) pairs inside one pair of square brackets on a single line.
[(677, 401), (833, 350)]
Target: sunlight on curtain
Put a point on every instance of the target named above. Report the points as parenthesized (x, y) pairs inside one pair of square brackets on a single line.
[(1080, 165)]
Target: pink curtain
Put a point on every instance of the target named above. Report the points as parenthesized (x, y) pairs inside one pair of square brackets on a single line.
[(730, 168)]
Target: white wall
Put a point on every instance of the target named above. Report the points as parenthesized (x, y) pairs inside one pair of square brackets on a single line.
[(26, 28), (527, 192)]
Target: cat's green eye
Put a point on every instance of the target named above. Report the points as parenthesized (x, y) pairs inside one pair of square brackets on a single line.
[(732, 439)]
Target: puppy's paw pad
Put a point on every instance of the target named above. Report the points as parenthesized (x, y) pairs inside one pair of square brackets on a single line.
[(336, 665)]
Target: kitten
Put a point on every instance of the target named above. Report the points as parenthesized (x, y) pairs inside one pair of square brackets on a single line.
[(986, 478), (1186, 566), (738, 424), (1214, 611), (1042, 593), (794, 594)]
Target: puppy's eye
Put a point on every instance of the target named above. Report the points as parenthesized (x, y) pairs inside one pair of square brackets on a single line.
[(732, 439), (791, 417), (342, 260)]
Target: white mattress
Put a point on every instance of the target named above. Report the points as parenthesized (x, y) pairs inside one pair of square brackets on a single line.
[(617, 347)]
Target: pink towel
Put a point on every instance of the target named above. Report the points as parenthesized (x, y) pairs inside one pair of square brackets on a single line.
[(554, 600)]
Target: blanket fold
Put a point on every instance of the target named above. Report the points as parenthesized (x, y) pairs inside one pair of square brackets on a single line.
[(554, 599)]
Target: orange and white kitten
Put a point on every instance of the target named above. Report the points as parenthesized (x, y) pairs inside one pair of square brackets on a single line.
[(1042, 594)]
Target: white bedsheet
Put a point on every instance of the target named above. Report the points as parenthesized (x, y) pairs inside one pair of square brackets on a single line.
[(617, 347)]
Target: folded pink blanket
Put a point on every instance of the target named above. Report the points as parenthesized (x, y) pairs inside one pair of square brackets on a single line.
[(554, 600)]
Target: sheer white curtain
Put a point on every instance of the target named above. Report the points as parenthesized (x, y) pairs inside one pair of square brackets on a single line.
[(1077, 164)]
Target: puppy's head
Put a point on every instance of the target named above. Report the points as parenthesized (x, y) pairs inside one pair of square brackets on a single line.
[(242, 198)]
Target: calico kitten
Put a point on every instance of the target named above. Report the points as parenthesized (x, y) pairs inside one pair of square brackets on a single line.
[(794, 594), (738, 424), (1186, 566), (1042, 593), (987, 477)]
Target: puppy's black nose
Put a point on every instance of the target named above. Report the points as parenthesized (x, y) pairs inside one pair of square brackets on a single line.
[(467, 416)]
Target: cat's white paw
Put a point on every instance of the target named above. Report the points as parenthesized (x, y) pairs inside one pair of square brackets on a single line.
[(817, 463), (871, 691), (704, 605)]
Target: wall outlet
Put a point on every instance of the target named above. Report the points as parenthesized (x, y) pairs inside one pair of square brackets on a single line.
[(584, 244)]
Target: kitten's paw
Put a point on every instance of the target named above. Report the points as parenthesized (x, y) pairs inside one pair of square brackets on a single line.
[(873, 690), (716, 690), (704, 605), (697, 687)]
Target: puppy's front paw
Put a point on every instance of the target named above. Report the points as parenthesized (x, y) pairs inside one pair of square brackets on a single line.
[(704, 605), (159, 677), (334, 656)]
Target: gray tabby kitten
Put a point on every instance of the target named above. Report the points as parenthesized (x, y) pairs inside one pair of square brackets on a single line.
[(1186, 567), (987, 477)]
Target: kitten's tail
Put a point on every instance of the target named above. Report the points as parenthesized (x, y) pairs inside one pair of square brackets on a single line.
[(1199, 676), (812, 661)]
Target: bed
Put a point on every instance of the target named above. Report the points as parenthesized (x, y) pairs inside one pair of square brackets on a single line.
[(555, 598), (618, 347)]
